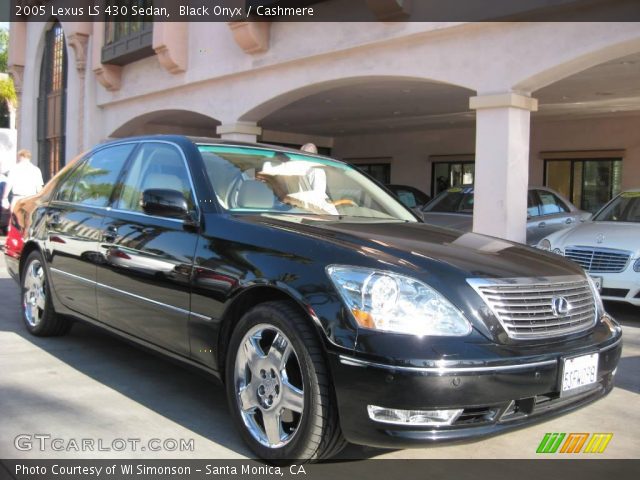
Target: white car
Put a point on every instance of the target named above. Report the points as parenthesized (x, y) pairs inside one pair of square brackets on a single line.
[(607, 247)]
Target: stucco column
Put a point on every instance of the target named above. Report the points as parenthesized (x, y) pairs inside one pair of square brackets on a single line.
[(502, 164), (239, 131)]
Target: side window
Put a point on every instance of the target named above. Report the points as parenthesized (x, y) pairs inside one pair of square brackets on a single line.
[(156, 165), (65, 189), (533, 209), (550, 204), (408, 198), (96, 177)]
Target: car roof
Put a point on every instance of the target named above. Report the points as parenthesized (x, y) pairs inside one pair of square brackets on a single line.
[(214, 141)]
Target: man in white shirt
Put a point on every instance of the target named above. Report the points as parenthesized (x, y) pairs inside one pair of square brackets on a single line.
[(24, 179)]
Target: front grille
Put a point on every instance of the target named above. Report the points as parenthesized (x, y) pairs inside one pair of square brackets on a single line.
[(533, 308), (598, 260)]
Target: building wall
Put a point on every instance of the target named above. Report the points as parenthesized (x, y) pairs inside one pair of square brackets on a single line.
[(411, 152)]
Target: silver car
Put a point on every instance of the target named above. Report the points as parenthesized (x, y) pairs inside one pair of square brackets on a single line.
[(547, 211)]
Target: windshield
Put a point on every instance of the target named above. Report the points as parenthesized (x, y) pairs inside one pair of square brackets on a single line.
[(624, 208), (247, 179), (453, 200)]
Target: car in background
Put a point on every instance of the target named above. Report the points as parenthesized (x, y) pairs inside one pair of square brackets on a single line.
[(547, 211), (410, 197), (608, 247)]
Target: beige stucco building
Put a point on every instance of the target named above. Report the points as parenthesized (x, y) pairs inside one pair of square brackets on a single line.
[(502, 105)]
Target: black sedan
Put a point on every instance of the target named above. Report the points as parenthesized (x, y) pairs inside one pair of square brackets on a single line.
[(329, 311)]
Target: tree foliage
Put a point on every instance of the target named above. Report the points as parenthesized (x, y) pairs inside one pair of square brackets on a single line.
[(7, 92)]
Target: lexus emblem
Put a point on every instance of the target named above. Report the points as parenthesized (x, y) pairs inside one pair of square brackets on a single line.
[(600, 238), (560, 306)]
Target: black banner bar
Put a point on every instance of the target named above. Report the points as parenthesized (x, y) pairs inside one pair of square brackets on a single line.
[(535, 469), (322, 11)]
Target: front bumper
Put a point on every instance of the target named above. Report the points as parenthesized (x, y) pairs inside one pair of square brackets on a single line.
[(494, 397), (621, 287)]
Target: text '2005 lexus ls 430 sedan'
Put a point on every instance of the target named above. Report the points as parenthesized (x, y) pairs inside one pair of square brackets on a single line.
[(330, 312)]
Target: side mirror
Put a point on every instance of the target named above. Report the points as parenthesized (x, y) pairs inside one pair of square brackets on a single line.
[(165, 203)]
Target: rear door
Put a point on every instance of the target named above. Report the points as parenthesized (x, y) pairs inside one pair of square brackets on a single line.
[(144, 282), (73, 221)]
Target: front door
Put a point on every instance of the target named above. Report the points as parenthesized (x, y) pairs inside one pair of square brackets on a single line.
[(143, 285)]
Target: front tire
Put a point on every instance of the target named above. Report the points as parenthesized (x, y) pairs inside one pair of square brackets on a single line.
[(38, 313), (278, 386)]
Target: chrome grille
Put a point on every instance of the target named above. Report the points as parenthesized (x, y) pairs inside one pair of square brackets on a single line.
[(598, 260), (524, 306)]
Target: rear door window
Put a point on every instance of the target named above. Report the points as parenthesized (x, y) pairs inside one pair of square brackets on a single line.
[(97, 177), (550, 204)]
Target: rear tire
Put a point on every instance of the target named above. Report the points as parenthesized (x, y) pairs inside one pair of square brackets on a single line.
[(38, 313), (278, 386)]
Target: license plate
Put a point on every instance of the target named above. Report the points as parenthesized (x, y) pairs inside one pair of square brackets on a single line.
[(579, 372), (598, 282)]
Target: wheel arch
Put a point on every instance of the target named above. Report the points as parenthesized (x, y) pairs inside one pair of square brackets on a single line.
[(28, 247), (249, 298)]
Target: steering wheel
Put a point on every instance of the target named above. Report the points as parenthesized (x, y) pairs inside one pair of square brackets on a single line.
[(344, 201)]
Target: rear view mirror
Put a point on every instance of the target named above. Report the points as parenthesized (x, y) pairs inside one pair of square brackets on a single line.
[(165, 203)]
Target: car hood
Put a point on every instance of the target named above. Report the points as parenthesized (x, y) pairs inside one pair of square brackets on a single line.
[(616, 235), (420, 247)]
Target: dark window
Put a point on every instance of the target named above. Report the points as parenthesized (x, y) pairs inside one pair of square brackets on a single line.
[(52, 103), (5, 115), (65, 186), (588, 183), (96, 178), (533, 208), (155, 165), (380, 171), (445, 175), (128, 40)]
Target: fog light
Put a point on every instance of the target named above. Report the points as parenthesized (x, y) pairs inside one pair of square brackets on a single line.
[(413, 417)]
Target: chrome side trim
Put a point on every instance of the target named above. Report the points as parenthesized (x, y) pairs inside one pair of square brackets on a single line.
[(198, 315), (71, 275), (144, 299), (129, 294), (356, 362)]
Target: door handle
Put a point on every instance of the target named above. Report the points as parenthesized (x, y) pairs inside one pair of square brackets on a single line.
[(568, 220), (110, 234), (542, 224)]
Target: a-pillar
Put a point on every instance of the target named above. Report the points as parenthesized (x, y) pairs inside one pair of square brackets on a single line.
[(239, 131), (502, 164)]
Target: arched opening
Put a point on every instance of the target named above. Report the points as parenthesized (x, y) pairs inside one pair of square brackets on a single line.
[(584, 136), (177, 122), (52, 102), (386, 125)]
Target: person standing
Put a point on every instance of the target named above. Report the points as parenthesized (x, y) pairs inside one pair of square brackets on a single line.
[(24, 179)]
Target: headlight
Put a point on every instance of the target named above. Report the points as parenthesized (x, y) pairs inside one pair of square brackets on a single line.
[(636, 266), (389, 302), (544, 244)]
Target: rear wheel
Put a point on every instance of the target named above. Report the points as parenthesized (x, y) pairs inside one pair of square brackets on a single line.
[(37, 308), (278, 386)]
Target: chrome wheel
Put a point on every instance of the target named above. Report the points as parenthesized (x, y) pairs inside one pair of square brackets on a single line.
[(268, 386), (34, 296)]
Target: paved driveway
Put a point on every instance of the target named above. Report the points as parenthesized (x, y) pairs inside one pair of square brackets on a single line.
[(90, 385)]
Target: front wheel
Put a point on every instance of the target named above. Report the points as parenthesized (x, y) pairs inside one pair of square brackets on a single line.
[(38, 313), (278, 386)]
